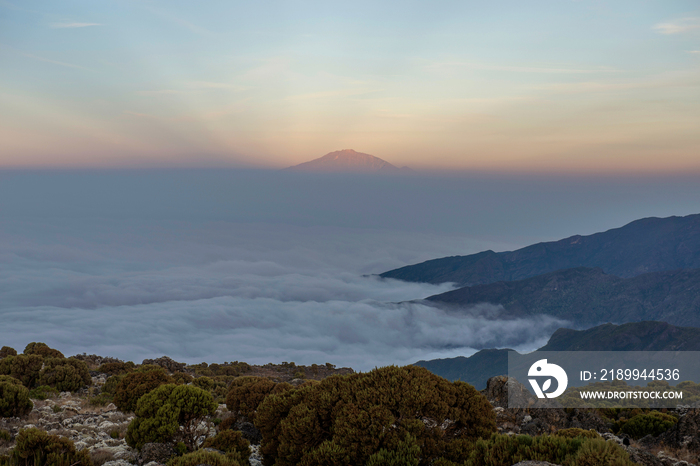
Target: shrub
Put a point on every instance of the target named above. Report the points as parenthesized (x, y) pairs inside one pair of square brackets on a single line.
[(170, 413), (112, 383), (353, 417), (574, 432), (246, 394), (14, 398), (232, 442), (102, 399), (7, 351), (204, 457), (182, 378), (596, 452), (5, 436), (37, 448), (43, 350), (653, 423), (136, 384), (504, 450), (406, 454), (23, 368), (66, 375), (42, 392), (115, 368)]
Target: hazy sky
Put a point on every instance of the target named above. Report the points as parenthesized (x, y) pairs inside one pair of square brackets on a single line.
[(582, 86)]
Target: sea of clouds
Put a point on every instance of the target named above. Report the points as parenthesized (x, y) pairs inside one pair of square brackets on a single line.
[(143, 265)]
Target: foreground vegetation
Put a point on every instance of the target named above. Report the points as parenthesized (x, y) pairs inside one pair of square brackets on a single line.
[(388, 416)]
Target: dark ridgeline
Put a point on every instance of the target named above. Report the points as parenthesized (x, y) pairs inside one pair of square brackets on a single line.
[(589, 296), (643, 246), (639, 336)]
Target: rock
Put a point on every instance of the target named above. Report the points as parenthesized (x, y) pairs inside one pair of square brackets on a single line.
[(109, 408), (643, 458), (117, 463), (685, 434), (159, 452), (249, 431), (255, 456)]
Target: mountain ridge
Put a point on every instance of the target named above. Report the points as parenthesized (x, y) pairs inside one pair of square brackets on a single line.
[(349, 161), (588, 296), (638, 336), (646, 245)]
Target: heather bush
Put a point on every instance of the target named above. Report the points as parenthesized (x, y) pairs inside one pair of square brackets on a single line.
[(116, 368), (170, 413), (43, 350), (136, 384), (111, 384), (505, 450), (246, 393), (347, 419), (230, 442), (407, 453), (653, 423), (596, 452), (204, 457), (574, 432), (14, 398), (182, 378), (42, 392), (35, 447), (66, 375), (25, 368), (7, 351)]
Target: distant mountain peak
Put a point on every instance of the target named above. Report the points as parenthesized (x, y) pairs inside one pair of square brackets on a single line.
[(348, 161)]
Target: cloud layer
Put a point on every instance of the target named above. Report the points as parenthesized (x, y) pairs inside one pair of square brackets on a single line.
[(222, 292)]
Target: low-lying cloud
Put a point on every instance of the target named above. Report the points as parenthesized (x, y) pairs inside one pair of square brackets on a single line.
[(224, 291)]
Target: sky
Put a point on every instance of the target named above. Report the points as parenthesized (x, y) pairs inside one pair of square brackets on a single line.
[(554, 86)]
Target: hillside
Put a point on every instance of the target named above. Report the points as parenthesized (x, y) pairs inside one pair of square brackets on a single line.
[(643, 246), (349, 161), (639, 336), (590, 296)]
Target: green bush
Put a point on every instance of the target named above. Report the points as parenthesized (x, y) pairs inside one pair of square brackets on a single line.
[(204, 457), (653, 423), (22, 367), (246, 393), (170, 413), (596, 452), (43, 350), (232, 442), (14, 398), (66, 375), (116, 368), (112, 383), (505, 450), (182, 378), (42, 392), (350, 418), (406, 454), (136, 384), (7, 351), (5, 435), (102, 399), (35, 447), (574, 432)]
